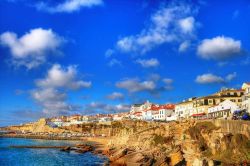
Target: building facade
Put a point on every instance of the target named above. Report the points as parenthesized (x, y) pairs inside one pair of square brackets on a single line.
[(185, 108), (246, 97), (223, 110)]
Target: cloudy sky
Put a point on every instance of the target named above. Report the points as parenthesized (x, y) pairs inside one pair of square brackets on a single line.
[(99, 56)]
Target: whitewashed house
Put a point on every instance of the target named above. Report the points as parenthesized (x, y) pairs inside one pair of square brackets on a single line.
[(138, 115), (163, 112), (147, 114), (135, 108), (185, 108), (223, 110)]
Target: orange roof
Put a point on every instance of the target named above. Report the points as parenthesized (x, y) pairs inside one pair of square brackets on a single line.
[(156, 108), (137, 113)]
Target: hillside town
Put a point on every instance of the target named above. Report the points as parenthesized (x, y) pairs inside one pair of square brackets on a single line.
[(225, 104)]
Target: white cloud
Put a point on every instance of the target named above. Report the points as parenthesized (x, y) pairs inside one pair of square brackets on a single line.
[(214, 79), (68, 6), (134, 85), (219, 48), (50, 92), (171, 24), (116, 96), (114, 62), (148, 62), (168, 83), (231, 76), (154, 77), (109, 53), (209, 79), (57, 77), (187, 24), (97, 107), (168, 80), (30, 49), (184, 46)]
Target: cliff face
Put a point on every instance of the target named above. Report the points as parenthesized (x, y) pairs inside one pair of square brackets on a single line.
[(152, 143), (188, 142), (39, 126)]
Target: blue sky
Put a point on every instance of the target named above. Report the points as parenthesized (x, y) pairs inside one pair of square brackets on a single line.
[(100, 56)]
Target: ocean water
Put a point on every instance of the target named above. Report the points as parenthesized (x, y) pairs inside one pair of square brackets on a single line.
[(44, 157)]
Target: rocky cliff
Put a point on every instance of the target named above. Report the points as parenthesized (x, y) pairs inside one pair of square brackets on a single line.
[(184, 143), (194, 143), (39, 126)]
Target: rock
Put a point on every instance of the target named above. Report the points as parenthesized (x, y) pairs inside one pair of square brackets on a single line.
[(84, 149), (66, 149), (176, 158), (118, 154)]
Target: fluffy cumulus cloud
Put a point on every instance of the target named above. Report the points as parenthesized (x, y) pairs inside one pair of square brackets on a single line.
[(68, 6), (187, 24), (58, 77), (219, 48), (210, 78), (50, 92), (97, 107), (153, 62), (134, 85), (170, 24), (115, 96), (30, 50)]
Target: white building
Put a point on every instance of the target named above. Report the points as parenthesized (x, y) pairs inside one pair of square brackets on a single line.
[(246, 97), (147, 114), (165, 112), (223, 110), (138, 115), (135, 108), (184, 109), (57, 122)]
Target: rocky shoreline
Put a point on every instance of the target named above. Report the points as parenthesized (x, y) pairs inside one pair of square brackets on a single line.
[(207, 143)]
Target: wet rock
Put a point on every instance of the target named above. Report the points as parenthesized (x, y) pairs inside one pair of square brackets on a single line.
[(84, 149), (66, 149)]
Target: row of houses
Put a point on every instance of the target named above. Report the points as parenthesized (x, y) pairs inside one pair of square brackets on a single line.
[(218, 105), (221, 104), (81, 119), (149, 111)]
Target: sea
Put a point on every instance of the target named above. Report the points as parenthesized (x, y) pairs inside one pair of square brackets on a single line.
[(44, 157)]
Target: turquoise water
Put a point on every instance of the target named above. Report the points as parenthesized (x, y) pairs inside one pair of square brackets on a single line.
[(43, 157)]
